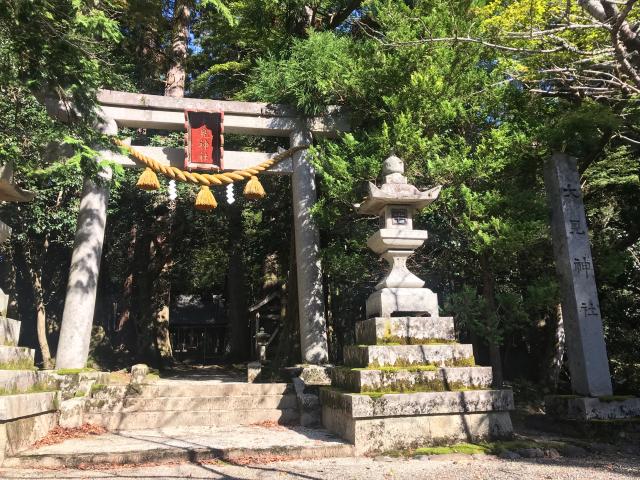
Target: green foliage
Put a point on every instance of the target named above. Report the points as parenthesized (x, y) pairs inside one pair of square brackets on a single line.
[(319, 70), (460, 115), (60, 42)]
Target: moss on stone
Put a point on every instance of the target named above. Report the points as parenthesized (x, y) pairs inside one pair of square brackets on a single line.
[(455, 362), (615, 398), (21, 364), (465, 448), (492, 448), (98, 387), (35, 388), (391, 368), (74, 371), (396, 340)]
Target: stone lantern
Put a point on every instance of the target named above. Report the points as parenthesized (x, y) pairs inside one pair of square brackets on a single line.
[(407, 381), (395, 202)]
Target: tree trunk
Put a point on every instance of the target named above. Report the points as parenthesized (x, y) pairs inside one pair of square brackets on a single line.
[(35, 269), (558, 350), (288, 351), (176, 75), (141, 309), (41, 320), (161, 263), (488, 292), (238, 315), (124, 328)]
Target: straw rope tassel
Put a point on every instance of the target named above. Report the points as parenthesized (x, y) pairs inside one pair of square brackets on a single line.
[(205, 199), (253, 190), (148, 180)]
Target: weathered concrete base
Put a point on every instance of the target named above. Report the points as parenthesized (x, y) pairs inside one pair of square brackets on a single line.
[(405, 330), (589, 408), (19, 434), (385, 302), (416, 404), (17, 380), (405, 380), (9, 331), (307, 379), (24, 419), (370, 435), (408, 355), (72, 385), (10, 355), (623, 431)]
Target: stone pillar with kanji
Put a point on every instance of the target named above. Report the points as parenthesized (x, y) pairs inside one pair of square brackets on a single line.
[(587, 353)]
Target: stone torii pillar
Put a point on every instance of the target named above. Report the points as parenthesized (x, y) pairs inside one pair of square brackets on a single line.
[(80, 302), (313, 326)]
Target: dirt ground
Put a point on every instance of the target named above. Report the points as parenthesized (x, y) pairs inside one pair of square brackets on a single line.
[(442, 467)]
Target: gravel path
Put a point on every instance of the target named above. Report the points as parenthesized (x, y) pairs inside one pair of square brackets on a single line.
[(441, 468)]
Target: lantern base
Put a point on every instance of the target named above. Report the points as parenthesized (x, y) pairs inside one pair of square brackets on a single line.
[(404, 301)]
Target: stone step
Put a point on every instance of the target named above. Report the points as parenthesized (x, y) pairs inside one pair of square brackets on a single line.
[(353, 405), (203, 389), (27, 404), (209, 404), (405, 330), (443, 355), (174, 419), (407, 379), (17, 380), (16, 357), (234, 444), (9, 331)]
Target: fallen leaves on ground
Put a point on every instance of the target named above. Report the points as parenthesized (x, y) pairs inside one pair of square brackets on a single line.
[(270, 424), (60, 434)]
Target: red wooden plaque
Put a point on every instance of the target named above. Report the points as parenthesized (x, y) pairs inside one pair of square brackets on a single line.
[(204, 140)]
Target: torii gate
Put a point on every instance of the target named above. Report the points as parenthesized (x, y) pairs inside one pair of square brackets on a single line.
[(122, 109)]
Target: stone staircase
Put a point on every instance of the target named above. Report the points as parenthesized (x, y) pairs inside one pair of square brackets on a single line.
[(408, 383), (27, 404), (168, 403)]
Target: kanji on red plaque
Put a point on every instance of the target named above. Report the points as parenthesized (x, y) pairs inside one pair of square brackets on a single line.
[(204, 141)]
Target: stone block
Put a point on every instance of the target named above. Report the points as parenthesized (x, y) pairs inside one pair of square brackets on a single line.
[(17, 380), (442, 355), (404, 330), (396, 239), (170, 419), (10, 355), (387, 301), (590, 408), (139, 373), (315, 375), (9, 331), (371, 435), (27, 404), (208, 404), (415, 404), (72, 413), (4, 298), (19, 434), (253, 371), (407, 380), (202, 389), (72, 384)]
